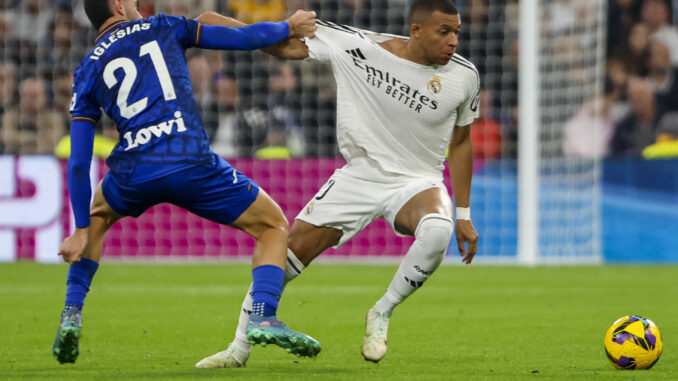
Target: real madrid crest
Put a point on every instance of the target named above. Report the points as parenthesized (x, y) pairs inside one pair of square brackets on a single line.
[(434, 85), (309, 208)]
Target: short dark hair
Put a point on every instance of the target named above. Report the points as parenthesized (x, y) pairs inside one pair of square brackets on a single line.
[(98, 11), (427, 7)]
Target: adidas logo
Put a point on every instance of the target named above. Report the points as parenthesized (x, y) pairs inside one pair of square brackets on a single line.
[(356, 53), (422, 271), (413, 283)]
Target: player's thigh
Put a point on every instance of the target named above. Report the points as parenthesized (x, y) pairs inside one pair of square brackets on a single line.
[(422, 202), (308, 241), (102, 216), (263, 214), (342, 207), (222, 194), (102, 210), (122, 198)]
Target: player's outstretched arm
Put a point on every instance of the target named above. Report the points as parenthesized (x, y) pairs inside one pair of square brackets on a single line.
[(259, 35), (460, 162), (214, 18), (292, 48), (82, 142)]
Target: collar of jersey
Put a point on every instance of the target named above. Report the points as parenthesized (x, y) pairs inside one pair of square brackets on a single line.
[(109, 28)]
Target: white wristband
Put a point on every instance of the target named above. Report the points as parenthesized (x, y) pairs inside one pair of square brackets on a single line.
[(463, 213)]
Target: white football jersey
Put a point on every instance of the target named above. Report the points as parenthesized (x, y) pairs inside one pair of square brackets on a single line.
[(397, 113)]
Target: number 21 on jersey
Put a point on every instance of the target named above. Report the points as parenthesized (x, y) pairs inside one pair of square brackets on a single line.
[(152, 49)]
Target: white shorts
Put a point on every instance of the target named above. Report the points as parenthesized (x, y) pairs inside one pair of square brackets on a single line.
[(350, 200)]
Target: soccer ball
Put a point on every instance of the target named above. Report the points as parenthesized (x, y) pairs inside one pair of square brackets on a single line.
[(633, 342)]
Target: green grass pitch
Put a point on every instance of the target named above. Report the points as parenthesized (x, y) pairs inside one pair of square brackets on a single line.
[(154, 322)]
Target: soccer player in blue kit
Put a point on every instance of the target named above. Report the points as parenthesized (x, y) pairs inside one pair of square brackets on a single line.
[(137, 74)]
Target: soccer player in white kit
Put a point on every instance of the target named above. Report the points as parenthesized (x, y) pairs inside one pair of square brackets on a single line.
[(401, 103)]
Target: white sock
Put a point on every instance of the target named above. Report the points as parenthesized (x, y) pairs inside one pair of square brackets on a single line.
[(432, 237), (240, 340), (293, 268)]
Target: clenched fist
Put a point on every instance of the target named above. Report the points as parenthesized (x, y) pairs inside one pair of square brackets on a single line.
[(302, 24)]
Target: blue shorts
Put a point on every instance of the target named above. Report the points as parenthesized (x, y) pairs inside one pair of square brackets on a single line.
[(215, 191)]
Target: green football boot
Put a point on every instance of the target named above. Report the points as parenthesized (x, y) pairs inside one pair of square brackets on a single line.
[(269, 330), (65, 348)]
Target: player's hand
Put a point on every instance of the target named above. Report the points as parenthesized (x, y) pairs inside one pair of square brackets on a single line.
[(72, 248), (302, 24), (466, 233)]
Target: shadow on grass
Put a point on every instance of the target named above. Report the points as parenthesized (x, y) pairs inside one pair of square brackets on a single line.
[(91, 373)]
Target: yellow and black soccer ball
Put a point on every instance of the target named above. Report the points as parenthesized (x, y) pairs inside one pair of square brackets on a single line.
[(633, 342)]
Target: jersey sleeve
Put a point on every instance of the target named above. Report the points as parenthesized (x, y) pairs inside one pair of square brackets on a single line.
[(84, 105), (328, 38), (187, 30), (468, 110)]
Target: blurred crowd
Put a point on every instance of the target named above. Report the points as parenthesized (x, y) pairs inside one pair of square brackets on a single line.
[(256, 105), (640, 102), (637, 113)]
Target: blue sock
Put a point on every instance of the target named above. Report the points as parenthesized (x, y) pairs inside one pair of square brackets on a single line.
[(266, 289), (78, 281)]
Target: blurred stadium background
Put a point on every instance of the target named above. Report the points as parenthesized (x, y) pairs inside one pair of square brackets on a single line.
[(585, 170)]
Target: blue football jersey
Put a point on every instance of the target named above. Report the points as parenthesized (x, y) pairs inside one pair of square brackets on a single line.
[(137, 74)]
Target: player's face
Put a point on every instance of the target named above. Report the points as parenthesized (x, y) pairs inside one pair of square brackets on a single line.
[(439, 37)]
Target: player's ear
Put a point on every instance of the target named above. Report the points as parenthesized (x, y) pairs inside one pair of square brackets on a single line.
[(117, 7), (415, 30)]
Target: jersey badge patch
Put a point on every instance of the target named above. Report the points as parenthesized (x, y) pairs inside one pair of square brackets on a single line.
[(434, 85), (309, 208)]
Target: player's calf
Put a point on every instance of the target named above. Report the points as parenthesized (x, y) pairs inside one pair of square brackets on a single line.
[(263, 326), (422, 259), (80, 274), (424, 256), (238, 351)]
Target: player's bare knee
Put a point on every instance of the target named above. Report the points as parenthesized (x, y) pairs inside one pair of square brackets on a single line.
[(271, 226), (269, 233), (280, 223), (434, 232), (266, 217), (104, 212)]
